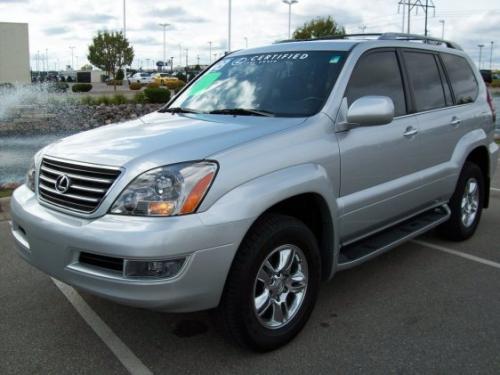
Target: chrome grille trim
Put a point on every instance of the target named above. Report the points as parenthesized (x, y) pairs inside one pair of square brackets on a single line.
[(89, 185)]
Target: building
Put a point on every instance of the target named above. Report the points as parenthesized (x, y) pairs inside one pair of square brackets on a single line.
[(14, 53)]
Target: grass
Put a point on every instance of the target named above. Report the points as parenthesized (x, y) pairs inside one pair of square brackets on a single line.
[(6, 193)]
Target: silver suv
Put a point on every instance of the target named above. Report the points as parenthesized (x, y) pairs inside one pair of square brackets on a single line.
[(274, 169)]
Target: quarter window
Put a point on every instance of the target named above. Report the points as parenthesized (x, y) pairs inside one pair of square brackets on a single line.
[(426, 81), (378, 73), (462, 78)]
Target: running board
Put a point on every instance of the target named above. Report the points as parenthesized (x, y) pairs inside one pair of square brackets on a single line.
[(367, 248)]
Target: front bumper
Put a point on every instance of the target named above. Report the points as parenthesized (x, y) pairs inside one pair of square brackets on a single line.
[(52, 242)]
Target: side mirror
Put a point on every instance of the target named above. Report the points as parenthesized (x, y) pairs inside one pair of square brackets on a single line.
[(369, 110)]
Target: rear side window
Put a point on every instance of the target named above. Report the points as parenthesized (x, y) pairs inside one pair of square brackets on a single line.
[(426, 81), (378, 73), (462, 78)]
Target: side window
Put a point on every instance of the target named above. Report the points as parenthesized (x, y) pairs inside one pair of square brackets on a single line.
[(462, 78), (378, 73), (426, 81)]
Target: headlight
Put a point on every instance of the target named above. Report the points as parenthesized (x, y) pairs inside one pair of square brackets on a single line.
[(166, 191), (30, 177)]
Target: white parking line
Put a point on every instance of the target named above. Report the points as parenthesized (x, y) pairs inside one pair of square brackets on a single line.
[(119, 349), (495, 189), (458, 253)]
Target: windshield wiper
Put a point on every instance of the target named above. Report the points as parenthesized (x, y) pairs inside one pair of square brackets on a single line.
[(242, 112), (180, 110)]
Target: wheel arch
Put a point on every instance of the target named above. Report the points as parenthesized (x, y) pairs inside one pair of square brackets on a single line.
[(481, 158)]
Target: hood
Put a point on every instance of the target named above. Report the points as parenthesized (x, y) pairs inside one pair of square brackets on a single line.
[(163, 138)]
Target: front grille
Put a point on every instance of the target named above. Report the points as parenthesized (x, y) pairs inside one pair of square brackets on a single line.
[(101, 261), (87, 184)]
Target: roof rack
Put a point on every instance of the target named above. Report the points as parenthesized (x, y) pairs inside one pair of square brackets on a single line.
[(386, 36)]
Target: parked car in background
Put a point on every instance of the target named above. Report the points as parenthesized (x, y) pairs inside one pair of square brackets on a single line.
[(252, 187), (141, 77), (163, 78)]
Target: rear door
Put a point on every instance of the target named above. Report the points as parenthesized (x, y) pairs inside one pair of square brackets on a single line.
[(378, 169), (443, 117)]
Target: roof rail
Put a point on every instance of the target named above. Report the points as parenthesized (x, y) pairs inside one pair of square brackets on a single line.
[(386, 36)]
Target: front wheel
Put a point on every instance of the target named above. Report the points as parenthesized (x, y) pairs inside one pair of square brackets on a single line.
[(273, 283), (466, 204)]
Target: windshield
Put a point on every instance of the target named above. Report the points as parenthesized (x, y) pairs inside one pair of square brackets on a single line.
[(285, 84)]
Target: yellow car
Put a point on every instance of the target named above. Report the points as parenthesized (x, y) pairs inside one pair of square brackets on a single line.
[(163, 78)]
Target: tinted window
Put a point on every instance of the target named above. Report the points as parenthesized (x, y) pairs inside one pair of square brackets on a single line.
[(378, 74), (283, 83), (426, 81), (462, 78)]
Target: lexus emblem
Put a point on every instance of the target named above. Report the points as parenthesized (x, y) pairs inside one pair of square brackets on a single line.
[(62, 184)]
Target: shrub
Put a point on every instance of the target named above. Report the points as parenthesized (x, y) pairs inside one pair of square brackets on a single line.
[(6, 86), (135, 86), (88, 100), (119, 99), (157, 95), (140, 98), (119, 75), (175, 85), (113, 82), (153, 85), (495, 83), (81, 87), (58, 87)]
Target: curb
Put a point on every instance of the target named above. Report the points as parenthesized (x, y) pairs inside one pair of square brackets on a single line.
[(5, 209)]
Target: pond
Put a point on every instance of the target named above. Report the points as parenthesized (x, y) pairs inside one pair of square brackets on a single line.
[(16, 152)]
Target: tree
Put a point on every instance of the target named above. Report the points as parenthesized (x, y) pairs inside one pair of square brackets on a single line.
[(319, 27), (110, 51), (86, 67)]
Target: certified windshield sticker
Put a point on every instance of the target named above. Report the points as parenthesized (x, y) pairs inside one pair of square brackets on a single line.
[(221, 64), (335, 59), (269, 58), (204, 83)]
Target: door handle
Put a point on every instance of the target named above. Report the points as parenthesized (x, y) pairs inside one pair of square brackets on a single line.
[(410, 132), (455, 121)]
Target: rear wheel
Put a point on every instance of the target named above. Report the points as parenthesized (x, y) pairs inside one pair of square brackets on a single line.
[(466, 204), (273, 283)]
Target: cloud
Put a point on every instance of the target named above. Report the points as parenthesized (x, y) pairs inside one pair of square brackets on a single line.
[(177, 14), (90, 18), (13, 1), (56, 30)]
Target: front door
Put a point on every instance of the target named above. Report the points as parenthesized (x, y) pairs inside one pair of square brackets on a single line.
[(379, 176)]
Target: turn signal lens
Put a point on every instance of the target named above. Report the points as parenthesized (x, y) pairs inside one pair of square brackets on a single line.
[(161, 208), (194, 198)]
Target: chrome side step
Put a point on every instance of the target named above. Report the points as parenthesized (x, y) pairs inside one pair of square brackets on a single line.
[(367, 248)]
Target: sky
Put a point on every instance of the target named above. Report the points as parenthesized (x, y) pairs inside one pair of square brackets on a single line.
[(56, 25)]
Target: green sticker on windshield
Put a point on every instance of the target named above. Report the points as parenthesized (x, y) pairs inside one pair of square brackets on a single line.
[(204, 83), (335, 59)]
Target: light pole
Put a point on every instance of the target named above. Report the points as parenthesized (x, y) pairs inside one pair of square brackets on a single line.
[(171, 64), (442, 28), (480, 53), (187, 54), (72, 59), (491, 54), (362, 28), (164, 25), (210, 51), (290, 3), (124, 34), (229, 27), (180, 54), (246, 42)]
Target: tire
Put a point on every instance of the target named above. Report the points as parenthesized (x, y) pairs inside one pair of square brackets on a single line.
[(457, 228), (272, 236)]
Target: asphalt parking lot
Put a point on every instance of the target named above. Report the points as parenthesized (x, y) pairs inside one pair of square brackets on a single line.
[(429, 306)]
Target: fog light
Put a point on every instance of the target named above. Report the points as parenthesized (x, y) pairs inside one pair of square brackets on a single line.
[(156, 268)]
